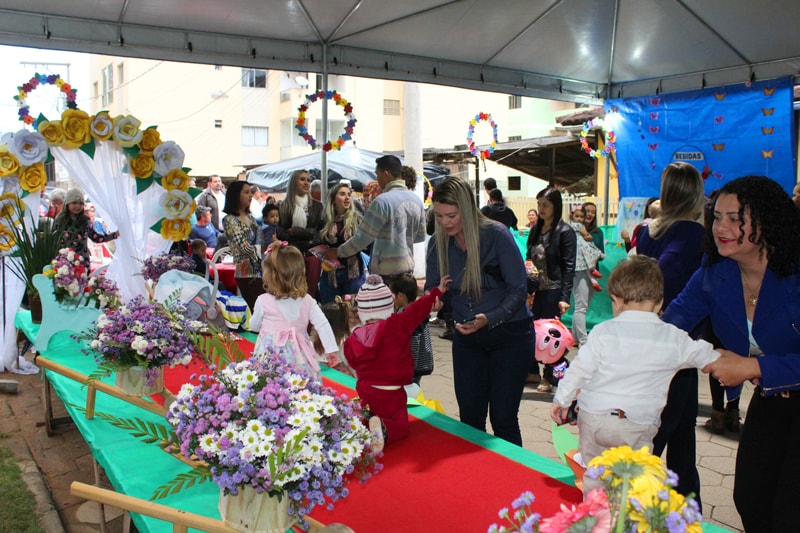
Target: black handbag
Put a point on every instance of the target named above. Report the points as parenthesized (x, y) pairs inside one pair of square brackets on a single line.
[(422, 350)]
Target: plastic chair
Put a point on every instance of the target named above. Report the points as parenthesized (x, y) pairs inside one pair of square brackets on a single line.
[(220, 254)]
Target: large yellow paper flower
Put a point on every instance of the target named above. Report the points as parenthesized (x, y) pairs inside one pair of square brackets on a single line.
[(7, 238), (176, 229), (126, 131), (176, 179), (102, 127), (75, 124), (52, 131), (142, 165), (150, 140), (33, 178), (9, 164), (178, 204), (10, 209)]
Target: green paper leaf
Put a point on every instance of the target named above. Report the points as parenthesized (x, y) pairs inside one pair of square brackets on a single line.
[(50, 157), (157, 226), (88, 148), (194, 193), (41, 118), (151, 127), (24, 194), (186, 169), (142, 184), (157, 178), (131, 151)]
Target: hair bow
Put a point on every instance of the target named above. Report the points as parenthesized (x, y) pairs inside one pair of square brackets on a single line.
[(275, 245)]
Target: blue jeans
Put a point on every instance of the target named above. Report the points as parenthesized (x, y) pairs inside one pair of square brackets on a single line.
[(489, 370), (328, 293)]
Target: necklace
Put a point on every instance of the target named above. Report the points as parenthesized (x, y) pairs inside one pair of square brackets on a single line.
[(753, 298)]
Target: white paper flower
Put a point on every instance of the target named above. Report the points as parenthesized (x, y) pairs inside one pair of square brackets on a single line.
[(168, 156), (126, 131), (177, 204), (29, 146)]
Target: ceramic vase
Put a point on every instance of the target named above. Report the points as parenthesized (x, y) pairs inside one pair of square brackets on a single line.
[(133, 381), (253, 512)]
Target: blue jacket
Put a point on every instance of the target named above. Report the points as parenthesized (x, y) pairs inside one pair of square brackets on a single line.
[(716, 292)]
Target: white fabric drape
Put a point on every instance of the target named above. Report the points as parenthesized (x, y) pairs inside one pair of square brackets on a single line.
[(13, 289), (112, 190)]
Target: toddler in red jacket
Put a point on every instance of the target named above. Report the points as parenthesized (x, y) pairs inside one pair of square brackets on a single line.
[(380, 353)]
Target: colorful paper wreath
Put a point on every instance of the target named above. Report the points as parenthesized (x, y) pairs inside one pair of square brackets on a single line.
[(42, 79), (611, 139), (347, 107), (483, 154)]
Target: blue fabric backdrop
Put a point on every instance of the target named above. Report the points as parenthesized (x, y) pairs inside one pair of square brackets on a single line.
[(726, 132)]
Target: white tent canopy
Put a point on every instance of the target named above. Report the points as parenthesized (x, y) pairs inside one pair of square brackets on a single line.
[(575, 50)]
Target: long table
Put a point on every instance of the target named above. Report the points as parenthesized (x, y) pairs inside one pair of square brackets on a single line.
[(446, 476)]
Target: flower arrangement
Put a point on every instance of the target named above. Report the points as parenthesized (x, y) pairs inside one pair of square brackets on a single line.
[(70, 276), (142, 334), (481, 117), (267, 425), (611, 139), (104, 292), (156, 265), (150, 160), (638, 496), (347, 107)]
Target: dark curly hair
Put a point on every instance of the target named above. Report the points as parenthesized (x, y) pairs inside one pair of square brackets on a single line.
[(774, 218)]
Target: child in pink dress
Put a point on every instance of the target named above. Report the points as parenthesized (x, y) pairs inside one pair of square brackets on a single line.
[(380, 353), (282, 315)]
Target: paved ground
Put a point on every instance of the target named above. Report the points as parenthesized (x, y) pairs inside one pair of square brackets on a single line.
[(51, 463)]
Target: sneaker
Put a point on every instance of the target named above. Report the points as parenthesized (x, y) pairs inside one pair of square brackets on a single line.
[(376, 428), (596, 273), (596, 286), (544, 387)]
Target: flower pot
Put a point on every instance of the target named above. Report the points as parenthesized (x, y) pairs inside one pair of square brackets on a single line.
[(133, 381), (253, 512), (35, 304)]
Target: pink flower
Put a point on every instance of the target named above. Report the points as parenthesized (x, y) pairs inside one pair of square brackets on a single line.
[(593, 509)]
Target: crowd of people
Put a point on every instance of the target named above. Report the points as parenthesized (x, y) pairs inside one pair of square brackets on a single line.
[(330, 280)]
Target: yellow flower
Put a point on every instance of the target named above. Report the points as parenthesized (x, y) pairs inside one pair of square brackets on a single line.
[(33, 178), (624, 460), (52, 132), (7, 239), (177, 229), (101, 126), (10, 208), (142, 165), (126, 131), (150, 139), (75, 124), (9, 164), (176, 179)]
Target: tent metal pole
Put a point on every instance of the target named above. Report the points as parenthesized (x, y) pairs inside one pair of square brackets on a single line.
[(606, 200), (323, 171), (477, 181)]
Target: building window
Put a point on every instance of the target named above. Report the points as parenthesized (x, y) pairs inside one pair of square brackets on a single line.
[(110, 70), (391, 108), (285, 96), (218, 123), (120, 73), (515, 183), (514, 102), (217, 67), (512, 138), (335, 128), (254, 78), (255, 136), (289, 136)]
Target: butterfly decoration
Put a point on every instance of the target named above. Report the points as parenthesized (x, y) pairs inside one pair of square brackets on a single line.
[(767, 154), (719, 120), (769, 92), (767, 131), (654, 115), (655, 101), (718, 147), (653, 129), (720, 96), (653, 146), (767, 112)]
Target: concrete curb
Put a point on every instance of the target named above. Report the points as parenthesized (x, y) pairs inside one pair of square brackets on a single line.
[(49, 519)]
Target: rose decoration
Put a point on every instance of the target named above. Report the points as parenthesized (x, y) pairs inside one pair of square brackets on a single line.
[(9, 165), (75, 124), (10, 208), (176, 179), (52, 132), (142, 165), (178, 204), (126, 131), (29, 146), (151, 138), (168, 156), (101, 127), (33, 178), (176, 229), (8, 240)]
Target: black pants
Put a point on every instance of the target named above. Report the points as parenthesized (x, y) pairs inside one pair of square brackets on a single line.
[(251, 289), (676, 434), (768, 465)]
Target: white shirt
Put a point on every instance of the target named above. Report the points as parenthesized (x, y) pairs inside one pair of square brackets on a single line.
[(627, 363)]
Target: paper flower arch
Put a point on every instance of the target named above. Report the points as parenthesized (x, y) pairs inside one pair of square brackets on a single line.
[(149, 159), (481, 117), (347, 107), (610, 138)]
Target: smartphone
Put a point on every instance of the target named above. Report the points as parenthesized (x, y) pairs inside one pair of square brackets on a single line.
[(468, 320), (572, 412)]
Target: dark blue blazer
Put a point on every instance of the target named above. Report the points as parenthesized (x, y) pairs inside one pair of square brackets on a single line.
[(716, 292)]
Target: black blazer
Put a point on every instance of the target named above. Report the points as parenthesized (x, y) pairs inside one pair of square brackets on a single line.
[(560, 255)]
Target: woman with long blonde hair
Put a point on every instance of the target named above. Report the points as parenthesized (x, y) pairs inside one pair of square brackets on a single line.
[(341, 222), (493, 343)]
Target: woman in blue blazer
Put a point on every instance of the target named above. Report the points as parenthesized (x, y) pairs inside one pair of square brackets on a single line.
[(750, 289)]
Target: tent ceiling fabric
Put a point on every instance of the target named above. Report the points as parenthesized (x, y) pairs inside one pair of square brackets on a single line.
[(574, 50)]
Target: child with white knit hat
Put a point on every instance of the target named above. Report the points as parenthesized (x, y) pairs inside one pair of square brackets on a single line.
[(380, 352)]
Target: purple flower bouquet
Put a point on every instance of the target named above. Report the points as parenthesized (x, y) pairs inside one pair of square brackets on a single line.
[(70, 276), (267, 425), (156, 265)]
